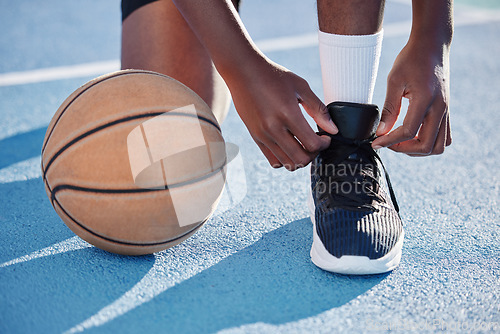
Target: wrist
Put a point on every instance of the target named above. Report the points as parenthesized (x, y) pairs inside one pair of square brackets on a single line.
[(431, 39), (432, 24), (428, 47), (244, 69)]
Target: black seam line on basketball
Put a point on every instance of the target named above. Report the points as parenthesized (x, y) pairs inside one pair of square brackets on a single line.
[(130, 191), (125, 242), (118, 121), (83, 91)]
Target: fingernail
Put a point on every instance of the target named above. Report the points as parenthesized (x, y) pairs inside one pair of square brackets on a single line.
[(377, 147), (381, 127), (335, 129)]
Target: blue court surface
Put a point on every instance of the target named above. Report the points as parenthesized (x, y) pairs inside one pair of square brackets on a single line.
[(248, 269)]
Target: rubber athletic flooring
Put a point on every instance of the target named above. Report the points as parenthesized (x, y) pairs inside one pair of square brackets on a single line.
[(248, 269)]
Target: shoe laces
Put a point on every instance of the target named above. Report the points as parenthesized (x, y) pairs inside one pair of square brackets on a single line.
[(351, 174)]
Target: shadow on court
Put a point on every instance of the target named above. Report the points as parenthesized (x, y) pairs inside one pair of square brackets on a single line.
[(271, 281), (21, 146), (28, 221), (55, 292)]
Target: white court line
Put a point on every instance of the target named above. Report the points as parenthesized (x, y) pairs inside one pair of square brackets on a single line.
[(68, 245), (22, 170), (58, 73), (467, 16), (97, 68), (158, 279)]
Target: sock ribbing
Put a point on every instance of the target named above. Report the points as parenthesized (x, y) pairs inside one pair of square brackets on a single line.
[(349, 66)]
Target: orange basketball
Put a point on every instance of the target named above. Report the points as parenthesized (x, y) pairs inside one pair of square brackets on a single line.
[(134, 162)]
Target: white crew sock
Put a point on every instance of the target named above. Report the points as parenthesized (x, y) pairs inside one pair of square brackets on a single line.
[(349, 66)]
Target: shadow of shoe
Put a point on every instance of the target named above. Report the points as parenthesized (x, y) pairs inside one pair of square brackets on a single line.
[(272, 281)]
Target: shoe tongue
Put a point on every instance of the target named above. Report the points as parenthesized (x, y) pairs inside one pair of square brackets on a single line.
[(355, 120)]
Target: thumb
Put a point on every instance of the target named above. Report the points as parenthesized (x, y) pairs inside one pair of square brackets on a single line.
[(317, 110), (391, 110)]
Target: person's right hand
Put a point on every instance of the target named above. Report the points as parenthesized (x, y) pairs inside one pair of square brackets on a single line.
[(266, 95), (267, 98)]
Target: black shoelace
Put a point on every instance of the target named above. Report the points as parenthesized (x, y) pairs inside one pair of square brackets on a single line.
[(355, 173)]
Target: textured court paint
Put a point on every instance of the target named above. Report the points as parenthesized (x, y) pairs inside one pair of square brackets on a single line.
[(20, 171), (59, 73), (69, 245), (401, 28), (248, 269)]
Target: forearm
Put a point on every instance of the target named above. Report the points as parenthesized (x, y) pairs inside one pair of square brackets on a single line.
[(421, 73), (218, 26), (432, 23)]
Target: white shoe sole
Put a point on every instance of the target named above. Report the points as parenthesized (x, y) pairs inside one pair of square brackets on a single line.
[(351, 264)]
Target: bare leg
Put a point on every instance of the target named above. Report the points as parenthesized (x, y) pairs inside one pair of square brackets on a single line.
[(350, 41), (353, 17), (156, 37)]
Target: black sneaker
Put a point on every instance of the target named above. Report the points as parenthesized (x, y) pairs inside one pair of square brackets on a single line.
[(357, 227)]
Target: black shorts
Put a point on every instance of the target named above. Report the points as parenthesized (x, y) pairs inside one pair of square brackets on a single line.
[(129, 6)]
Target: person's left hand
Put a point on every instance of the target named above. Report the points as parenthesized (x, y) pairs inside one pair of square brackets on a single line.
[(421, 75)]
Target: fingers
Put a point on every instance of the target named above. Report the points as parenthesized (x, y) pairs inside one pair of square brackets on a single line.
[(392, 107), (430, 127), (448, 130), (307, 137), (283, 134), (433, 131), (293, 143), (316, 109), (271, 158), (417, 109), (439, 144), (284, 159), (289, 151)]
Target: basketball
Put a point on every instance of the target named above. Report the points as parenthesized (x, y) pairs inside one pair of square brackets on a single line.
[(134, 162)]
